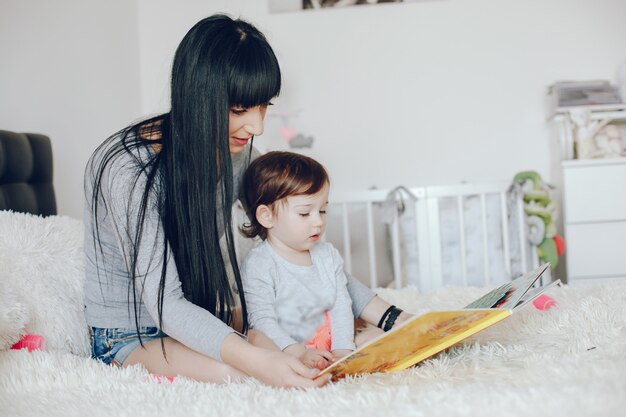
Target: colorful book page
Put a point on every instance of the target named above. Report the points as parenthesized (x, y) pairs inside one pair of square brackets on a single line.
[(415, 340), (509, 294), (492, 298)]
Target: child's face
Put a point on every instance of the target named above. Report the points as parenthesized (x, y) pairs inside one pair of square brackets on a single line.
[(299, 221)]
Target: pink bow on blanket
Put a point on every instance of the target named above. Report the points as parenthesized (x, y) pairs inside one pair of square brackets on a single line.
[(30, 342)]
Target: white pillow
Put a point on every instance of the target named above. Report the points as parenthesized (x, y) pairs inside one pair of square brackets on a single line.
[(42, 275)]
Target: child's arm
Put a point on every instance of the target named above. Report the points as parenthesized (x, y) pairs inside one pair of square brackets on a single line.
[(341, 318)]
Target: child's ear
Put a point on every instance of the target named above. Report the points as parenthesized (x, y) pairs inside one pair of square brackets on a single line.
[(265, 216)]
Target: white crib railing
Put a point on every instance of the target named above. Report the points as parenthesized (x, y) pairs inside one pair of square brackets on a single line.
[(374, 252), (427, 203)]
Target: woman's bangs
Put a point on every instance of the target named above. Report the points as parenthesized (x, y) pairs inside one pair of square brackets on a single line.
[(255, 77)]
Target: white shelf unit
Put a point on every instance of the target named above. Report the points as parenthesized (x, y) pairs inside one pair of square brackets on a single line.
[(594, 203), (615, 112)]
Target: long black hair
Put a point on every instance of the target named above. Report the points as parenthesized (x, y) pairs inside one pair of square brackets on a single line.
[(220, 63)]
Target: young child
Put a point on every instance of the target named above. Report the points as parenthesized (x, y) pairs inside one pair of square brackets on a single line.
[(294, 285)]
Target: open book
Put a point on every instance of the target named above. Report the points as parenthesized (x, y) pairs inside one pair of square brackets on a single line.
[(424, 336)]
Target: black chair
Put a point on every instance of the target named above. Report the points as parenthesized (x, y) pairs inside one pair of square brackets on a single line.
[(26, 173)]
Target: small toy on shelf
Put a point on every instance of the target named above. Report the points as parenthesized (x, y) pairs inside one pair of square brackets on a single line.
[(586, 130), (609, 142)]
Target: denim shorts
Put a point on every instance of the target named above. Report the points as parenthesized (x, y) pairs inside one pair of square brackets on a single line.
[(114, 345)]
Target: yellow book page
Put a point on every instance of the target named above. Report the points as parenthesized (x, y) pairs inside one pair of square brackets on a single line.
[(415, 340)]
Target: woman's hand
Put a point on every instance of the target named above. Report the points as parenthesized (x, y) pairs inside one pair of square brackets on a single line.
[(272, 367), (316, 358), (259, 339), (283, 370)]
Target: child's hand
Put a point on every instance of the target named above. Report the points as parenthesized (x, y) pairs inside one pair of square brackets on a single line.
[(340, 353), (315, 358)]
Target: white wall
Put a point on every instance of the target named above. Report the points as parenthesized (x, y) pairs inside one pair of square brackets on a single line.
[(420, 93), (69, 69)]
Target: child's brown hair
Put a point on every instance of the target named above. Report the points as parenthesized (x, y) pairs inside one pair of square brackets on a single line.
[(274, 176)]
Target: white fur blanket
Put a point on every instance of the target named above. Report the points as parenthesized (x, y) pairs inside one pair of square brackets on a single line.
[(567, 361)]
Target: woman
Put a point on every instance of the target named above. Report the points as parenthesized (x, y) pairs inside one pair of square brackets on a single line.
[(159, 195)]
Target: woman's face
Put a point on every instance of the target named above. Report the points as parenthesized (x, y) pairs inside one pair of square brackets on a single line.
[(243, 123)]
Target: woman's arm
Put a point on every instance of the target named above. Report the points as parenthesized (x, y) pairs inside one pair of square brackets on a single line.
[(270, 366), (191, 325)]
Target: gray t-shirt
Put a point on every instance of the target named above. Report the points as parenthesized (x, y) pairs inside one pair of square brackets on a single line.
[(288, 302), (108, 296)]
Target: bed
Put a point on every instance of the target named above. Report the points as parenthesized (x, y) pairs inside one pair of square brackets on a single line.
[(566, 361)]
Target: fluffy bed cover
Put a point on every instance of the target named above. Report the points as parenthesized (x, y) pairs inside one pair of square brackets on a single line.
[(566, 361)]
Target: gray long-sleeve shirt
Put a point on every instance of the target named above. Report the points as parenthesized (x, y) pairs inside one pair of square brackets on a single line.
[(288, 302), (108, 296)]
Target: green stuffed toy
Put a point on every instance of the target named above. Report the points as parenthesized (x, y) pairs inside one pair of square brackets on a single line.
[(541, 213)]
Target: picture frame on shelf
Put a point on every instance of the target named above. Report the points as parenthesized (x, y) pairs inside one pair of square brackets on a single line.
[(280, 6)]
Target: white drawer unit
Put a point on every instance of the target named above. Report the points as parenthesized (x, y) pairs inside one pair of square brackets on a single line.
[(595, 218), (596, 190), (596, 249)]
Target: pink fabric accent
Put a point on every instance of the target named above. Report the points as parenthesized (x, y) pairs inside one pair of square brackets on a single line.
[(30, 342), (321, 340), (159, 378), (544, 302)]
